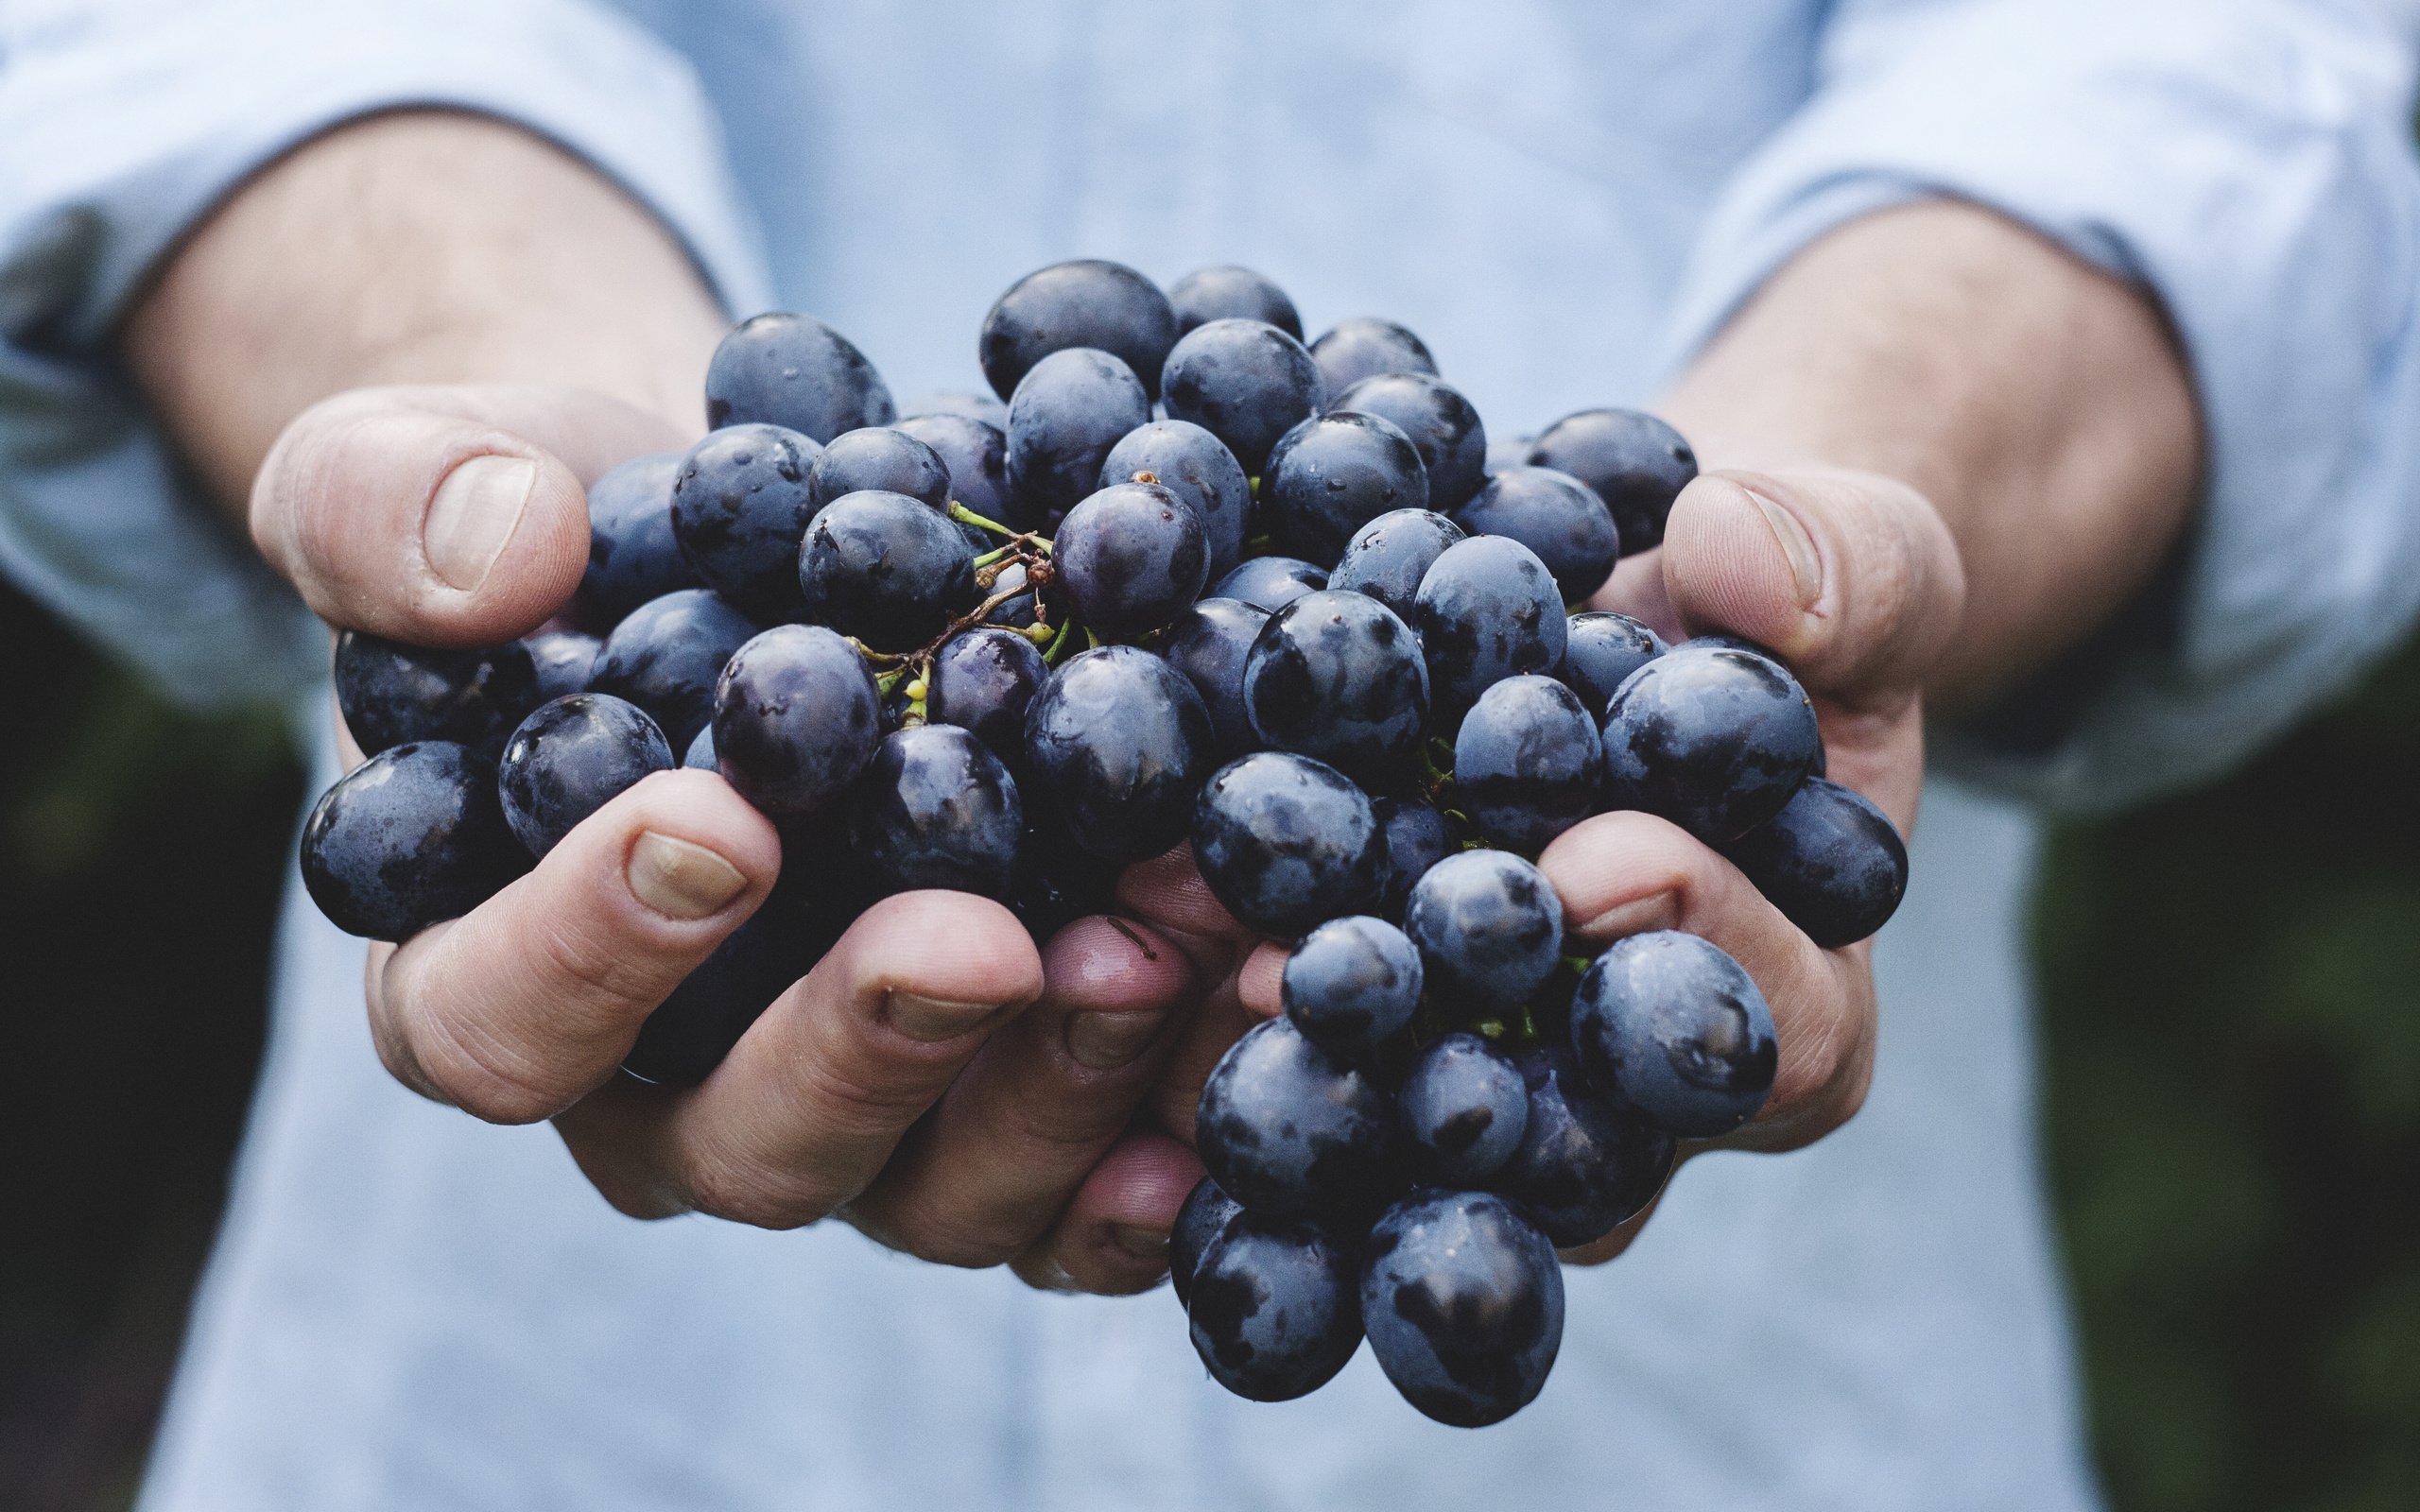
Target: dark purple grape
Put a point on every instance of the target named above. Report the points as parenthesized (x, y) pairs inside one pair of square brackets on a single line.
[(1208, 642), (1714, 739), (1527, 763), (796, 717), (886, 569), (1230, 293), (988, 409), (1364, 347), (1063, 418), (1669, 1026), (1083, 303), (1131, 556), (572, 757), (1337, 676), (1275, 1313), (1830, 861), (1116, 745), (976, 457), (738, 509), (793, 370), (1388, 558), (701, 754), (1290, 1132), (981, 682), (407, 839), (1246, 381), (1015, 612), (1634, 462), (562, 661), (1490, 930), (1460, 1111), (1441, 423), (1488, 609), (632, 554), (1200, 469), (1334, 474), (390, 692), (937, 810), (1352, 986), (1555, 515), (1505, 452), (665, 655), (1463, 1303), (878, 456), (1414, 838), (1270, 582), (1205, 1212), (1584, 1166), (692, 1030), (1287, 843), (1600, 652)]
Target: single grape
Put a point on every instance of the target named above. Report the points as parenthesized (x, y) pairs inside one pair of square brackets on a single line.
[(1442, 425), (793, 370), (1634, 462), (1083, 303), (884, 568), (878, 456), (1205, 1212), (1460, 1111), (981, 682), (738, 507), (1413, 837), (1463, 1303), (1131, 556), (562, 661), (1365, 347), (796, 717), (1668, 1025), (1289, 1131), (1584, 1166), (701, 754), (1230, 293), (988, 409), (1070, 410), (1334, 474), (1555, 515), (409, 837), (1199, 469), (1490, 930), (1270, 582), (632, 554), (937, 809), (1352, 986), (665, 655), (1714, 739), (1275, 1312), (572, 757), (1505, 452), (976, 457), (1386, 558), (1830, 861), (1600, 652), (1208, 642), (1527, 763), (1337, 676), (1017, 610), (1115, 744), (1488, 609), (1246, 381), (1287, 843), (693, 1029), (390, 692)]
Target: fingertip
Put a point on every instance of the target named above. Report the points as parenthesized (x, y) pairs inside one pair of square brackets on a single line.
[(952, 947), (1261, 982), (1104, 963), (1114, 1237), (1740, 559), (1168, 890)]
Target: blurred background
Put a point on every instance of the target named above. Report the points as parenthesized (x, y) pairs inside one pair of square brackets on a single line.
[(2232, 1045)]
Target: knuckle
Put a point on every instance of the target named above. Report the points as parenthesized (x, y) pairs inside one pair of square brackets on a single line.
[(747, 1193), (487, 1079)]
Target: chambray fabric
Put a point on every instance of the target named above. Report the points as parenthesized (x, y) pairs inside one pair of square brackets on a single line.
[(408, 1309)]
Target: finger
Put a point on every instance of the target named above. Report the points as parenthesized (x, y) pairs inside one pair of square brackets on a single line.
[(1626, 873), (802, 1114), (1114, 1237), (1169, 893), (985, 1173), (1261, 983), (515, 1010), (440, 516)]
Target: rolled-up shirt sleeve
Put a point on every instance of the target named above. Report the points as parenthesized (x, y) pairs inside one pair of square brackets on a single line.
[(121, 125), (2250, 163)]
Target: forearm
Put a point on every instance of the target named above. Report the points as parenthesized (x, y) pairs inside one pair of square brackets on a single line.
[(2040, 405), (414, 248)]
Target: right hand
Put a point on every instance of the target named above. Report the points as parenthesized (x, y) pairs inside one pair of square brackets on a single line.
[(934, 1079)]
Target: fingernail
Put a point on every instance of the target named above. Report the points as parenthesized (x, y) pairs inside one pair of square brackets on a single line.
[(1107, 1040), (473, 515), (681, 879), (1139, 1241), (930, 1018), (1640, 915), (1797, 549)]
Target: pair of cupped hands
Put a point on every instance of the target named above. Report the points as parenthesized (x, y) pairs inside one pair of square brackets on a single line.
[(937, 1080)]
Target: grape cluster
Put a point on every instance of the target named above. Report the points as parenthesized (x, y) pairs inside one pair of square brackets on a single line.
[(1185, 578)]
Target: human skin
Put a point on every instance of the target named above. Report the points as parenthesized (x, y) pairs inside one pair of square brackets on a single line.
[(1947, 451)]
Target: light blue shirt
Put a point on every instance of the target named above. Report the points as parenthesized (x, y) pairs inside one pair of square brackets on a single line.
[(408, 1309)]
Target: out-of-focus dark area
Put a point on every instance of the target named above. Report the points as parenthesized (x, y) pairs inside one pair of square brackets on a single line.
[(2232, 984)]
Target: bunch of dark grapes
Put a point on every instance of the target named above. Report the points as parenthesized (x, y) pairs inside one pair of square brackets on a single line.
[(1193, 580)]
